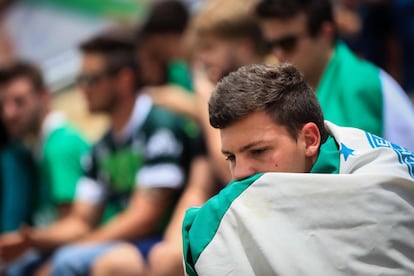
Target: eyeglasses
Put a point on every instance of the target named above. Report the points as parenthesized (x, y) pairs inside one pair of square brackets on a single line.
[(89, 79), (287, 43)]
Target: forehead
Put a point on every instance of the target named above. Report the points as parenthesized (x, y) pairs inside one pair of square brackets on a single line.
[(211, 39), (93, 62), (256, 127), (276, 28), (20, 85)]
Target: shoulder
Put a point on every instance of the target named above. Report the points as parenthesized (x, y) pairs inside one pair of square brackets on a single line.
[(363, 152), (355, 70), (66, 136), (161, 118)]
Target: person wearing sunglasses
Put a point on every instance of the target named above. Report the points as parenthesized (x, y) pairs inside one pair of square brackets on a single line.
[(352, 91), (134, 173)]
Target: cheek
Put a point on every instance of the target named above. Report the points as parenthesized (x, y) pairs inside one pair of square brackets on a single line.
[(27, 111), (218, 57), (303, 57), (103, 93), (91, 96), (205, 56), (286, 161), (297, 59), (277, 165), (107, 98), (271, 163)]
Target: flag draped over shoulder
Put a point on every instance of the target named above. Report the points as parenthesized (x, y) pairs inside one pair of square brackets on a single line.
[(350, 83), (358, 222)]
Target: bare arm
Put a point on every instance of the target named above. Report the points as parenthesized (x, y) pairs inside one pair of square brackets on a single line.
[(140, 219), (174, 98), (77, 223)]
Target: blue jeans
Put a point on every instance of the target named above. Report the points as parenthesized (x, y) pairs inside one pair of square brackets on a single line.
[(26, 264), (145, 246), (77, 260)]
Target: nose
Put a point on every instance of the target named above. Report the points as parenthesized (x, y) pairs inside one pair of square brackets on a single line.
[(279, 53), (242, 170)]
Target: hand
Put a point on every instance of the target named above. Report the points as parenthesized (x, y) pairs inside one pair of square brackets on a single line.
[(13, 245), (202, 84), (173, 98), (165, 95)]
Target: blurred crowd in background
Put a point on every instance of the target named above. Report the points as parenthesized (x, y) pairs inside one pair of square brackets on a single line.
[(379, 30), (88, 160)]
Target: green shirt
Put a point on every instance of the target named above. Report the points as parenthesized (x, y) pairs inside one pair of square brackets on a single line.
[(59, 166), (178, 73), (155, 152)]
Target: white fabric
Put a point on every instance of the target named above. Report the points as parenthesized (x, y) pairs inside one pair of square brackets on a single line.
[(142, 107), (160, 176), (90, 191), (307, 225), (163, 143), (398, 113)]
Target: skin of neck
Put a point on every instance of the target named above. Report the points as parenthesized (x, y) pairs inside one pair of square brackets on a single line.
[(320, 70), (121, 112)]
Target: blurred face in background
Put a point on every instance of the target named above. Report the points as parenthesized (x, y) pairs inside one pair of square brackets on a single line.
[(290, 42), (21, 107), (97, 85), (219, 56)]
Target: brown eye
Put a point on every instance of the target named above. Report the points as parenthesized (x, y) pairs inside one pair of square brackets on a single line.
[(230, 158), (257, 152)]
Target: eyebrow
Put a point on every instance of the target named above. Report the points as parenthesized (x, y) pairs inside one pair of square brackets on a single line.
[(244, 148)]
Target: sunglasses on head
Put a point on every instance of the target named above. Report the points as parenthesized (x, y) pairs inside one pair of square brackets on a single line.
[(287, 43), (89, 79)]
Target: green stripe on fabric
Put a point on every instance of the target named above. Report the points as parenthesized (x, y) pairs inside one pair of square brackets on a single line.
[(127, 10), (328, 159), (350, 92), (200, 224)]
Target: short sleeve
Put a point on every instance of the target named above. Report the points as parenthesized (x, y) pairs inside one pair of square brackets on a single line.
[(62, 157)]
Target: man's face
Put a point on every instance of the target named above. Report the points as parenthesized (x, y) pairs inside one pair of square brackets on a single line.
[(21, 108), (256, 144), (96, 84), (290, 42), (219, 56)]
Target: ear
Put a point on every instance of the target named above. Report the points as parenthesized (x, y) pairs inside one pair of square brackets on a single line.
[(312, 139), (126, 79)]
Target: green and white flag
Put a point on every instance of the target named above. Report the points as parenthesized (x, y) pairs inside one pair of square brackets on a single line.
[(357, 222), (355, 93)]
